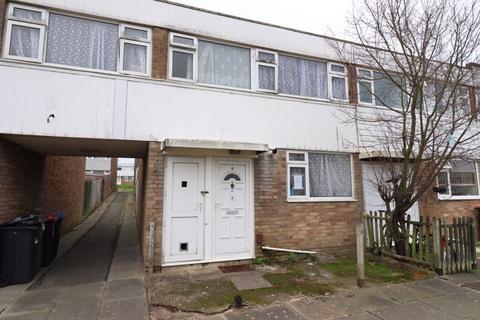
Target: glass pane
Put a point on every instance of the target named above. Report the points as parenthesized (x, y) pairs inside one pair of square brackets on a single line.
[(24, 41), (442, 183), (223, 65), (135, 33), (266, 57), (134, 57), (297, 181), (339, 88), (183, 40), (364, 73), (27, 14), (337, 68), (387, 92), (365, 92), (296, 157), (82, 43), (330, 175), (302, 77), (463, 179), (266, 77), (182, 65)]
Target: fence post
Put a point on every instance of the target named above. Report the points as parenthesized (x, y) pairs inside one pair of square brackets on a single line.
[(437, 245), (473, 241), (360, 256)]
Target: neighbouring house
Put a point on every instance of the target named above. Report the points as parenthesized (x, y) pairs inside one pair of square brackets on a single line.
[(233, 123), (126, 172)]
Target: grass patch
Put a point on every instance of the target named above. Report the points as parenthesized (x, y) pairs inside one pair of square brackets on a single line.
[(375, 271), (125, 188)]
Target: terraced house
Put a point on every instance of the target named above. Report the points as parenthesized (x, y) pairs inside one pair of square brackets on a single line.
[(236, 124)]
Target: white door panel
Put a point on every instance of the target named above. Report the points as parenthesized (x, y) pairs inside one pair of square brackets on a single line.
[(184, 216), (231, 234)]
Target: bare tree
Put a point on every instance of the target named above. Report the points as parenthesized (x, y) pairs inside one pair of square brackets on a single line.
[(421, 113)]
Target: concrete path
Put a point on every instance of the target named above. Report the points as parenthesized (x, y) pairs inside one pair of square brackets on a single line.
[(99, 277)]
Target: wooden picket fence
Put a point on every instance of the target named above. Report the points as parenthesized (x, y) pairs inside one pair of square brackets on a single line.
[(448, 248)]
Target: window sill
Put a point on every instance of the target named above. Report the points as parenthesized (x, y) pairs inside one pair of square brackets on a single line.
[(347, 199), (458, 198)]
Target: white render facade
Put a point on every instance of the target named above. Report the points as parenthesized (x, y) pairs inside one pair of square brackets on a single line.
[(233, 89)]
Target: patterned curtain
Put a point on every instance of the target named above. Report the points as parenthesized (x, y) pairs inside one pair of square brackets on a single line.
[(24, 41), (330, 175), (266, 77), (338, 88), (302, 77), (135, 58), (82, 43), (223, 65)]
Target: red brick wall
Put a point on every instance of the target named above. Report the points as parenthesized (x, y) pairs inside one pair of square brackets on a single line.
[(139, 198), (323, 226), (20, 180), (430, 205), (153, 201), (63, 184), (3, 7), (159, 53)]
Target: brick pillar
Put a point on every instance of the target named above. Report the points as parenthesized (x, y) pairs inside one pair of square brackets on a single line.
[(352, 84), (159, 53), (3, 8), (153, 203)]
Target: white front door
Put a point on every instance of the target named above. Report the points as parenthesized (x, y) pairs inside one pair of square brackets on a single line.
[(184, 210), (208, 210), (232, 216), (372, 199)]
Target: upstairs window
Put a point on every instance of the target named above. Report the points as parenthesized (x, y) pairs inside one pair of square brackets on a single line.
[(135, 49), (302, 77), (459, 180), (337, 78), (25, 33), (267, 75), (82, 42), (223, 65), (183, 57), (319, 176), (379, 89), (76, 41)]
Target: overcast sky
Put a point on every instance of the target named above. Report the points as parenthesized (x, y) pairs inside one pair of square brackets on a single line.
[(318, 16)]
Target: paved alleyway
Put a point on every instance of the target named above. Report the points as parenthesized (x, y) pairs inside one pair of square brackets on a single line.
[(99, 277)]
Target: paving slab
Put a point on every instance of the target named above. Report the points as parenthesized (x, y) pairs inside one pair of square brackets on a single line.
[(473, 285), (360, 316), (402, 293), (440, 286), (412, 310), (276, 312), (360, 301), (248, 280), (125, 309), (315, 309), (34, 301), (123, 289), (461, 278), (37, 315), (462, 304)]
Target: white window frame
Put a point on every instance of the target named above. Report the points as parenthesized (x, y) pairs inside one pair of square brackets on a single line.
[(365, 79), (449, 196), (148, 60), (259, 63), (130, 26), (181, 45), (336, 74), (8, 35), (11, 9), (304, 164), (178, 47)]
